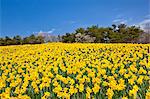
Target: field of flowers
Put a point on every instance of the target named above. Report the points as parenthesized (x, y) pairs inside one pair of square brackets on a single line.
[(76, 71)]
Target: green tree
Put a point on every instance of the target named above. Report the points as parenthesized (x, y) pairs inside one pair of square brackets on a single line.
[(17, 40), (115, 34), (68, 38), (39, 40), (8, 41), (80, 30), (114, 27), (2, 42)]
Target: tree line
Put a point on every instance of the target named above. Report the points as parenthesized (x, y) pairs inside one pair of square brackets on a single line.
[(115, 34), (18, 40), (94, 34)]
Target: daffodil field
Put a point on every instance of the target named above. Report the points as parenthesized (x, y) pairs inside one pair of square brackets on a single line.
[(76, 71)]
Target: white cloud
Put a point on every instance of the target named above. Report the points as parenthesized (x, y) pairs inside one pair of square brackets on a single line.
[(122, 21), (145, 24), (119, 16), (72, 22), (147, 16), (130, 19), (117, 20), (51, 31), (41, 31), (137, 25), (145, 21)]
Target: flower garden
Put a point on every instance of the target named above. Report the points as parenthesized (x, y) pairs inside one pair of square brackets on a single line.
[(76, 71)]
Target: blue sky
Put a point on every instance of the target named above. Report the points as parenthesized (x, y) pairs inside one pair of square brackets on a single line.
[(23, 17)]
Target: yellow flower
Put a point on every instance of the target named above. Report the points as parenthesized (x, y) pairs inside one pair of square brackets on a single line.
[(36, 90), (112, 84), (69, 69), (122, 71), (105, 83), (96, 88), (131, 81), (148, 95), (47, 94), (88, 96), (140, 80), (81, 88), (110, 93), (124, 97), (134, 91), (136, 88), (72, 90)]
